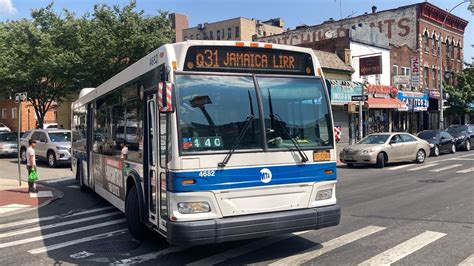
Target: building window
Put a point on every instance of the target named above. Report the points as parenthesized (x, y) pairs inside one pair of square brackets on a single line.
[(14, 113), (218, 35), (377, 79), (191, 37), (229, 33), (4, 113), (426, 76), (434, 44), (198, 36), (425, 42), (237, 32), (405, 71), (211, 35), (223, 34), (433, 78), (459, 51), (448, 49), (394, 72), (452, 49)]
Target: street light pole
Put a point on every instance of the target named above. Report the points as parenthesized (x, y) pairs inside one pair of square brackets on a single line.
[(440, 64)]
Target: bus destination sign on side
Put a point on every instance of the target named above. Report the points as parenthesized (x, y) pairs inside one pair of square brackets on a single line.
[(247, 60)]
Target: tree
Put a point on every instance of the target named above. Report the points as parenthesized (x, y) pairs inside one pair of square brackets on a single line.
[(461, 95)]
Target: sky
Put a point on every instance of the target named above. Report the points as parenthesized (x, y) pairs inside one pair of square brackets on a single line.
[(293, 12)]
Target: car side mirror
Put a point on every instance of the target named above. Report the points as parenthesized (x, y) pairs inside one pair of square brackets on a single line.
[(392, 141)]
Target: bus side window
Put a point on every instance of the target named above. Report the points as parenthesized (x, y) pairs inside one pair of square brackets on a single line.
[(164, 140)]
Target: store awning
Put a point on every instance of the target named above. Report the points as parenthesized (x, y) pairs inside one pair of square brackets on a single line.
[(385, 103)]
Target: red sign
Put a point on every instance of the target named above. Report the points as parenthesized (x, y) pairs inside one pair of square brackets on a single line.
[(370, 65), (382, 89)]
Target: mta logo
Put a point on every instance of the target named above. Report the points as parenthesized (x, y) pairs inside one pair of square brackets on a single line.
[(266, 175)]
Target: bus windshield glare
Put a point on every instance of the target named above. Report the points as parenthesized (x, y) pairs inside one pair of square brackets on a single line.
[(214, 110)]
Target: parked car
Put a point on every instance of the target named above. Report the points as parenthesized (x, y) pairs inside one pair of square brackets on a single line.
[(383, 148), (463, 135), (53, 145), (4, 128), (8, 143), (50, 125), (440, 141)]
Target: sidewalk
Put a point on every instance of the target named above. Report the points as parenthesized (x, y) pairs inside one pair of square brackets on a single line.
[(15, 199)]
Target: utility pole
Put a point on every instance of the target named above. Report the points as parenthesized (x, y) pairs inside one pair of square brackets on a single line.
[(19, 98)]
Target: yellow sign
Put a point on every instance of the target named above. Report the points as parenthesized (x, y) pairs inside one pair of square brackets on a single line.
[(321, 156)]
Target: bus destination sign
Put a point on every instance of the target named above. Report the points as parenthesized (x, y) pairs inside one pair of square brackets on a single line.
[(247, 60)]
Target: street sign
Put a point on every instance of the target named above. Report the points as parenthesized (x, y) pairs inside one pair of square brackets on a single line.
[(356, 98), (401, 80)]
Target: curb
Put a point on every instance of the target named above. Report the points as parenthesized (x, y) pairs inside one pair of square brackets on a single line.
[(57, 194)]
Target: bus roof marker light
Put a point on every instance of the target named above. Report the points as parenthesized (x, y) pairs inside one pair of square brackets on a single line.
[(239, 44), (254, 45), (268, 45)]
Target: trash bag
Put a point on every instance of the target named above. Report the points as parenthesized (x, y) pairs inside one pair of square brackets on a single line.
[(33, 176)]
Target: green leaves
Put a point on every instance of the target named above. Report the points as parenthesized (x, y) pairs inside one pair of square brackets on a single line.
[(462, 93)]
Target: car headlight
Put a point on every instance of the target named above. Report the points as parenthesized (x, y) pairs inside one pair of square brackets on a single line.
[(193, 207), (431, 145), (368, 151), (459, 138), (324, 194)]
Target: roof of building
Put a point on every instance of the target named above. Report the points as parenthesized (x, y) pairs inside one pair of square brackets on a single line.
[(331, 61)]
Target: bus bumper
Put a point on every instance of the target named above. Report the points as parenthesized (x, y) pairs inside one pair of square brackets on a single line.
[(251, 226)]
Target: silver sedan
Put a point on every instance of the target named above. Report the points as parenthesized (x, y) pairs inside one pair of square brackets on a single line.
[(382, 148)]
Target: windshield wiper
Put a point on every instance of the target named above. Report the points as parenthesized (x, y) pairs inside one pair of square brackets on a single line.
[(248, 120), (304, 158)]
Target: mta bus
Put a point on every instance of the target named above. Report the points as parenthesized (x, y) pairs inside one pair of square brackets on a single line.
[(212, 141)]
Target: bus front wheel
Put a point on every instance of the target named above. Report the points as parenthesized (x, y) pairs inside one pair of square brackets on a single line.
[(132, 215)]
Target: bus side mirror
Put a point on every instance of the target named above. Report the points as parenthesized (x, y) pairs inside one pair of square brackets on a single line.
[(165, 97)]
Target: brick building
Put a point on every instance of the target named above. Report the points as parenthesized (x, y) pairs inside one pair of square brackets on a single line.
[(241, 29), (9, 115), (179, 22)]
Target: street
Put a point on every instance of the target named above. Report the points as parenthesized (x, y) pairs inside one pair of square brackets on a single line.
[(416, 214)]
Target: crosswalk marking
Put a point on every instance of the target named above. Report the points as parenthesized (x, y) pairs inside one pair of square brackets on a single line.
[(239, 251), (148, 256), (328, 246), (12, 207), (42, 194), (465, 170), (446, 168), (399, 167), (77, 241), (38, 228), (404, 249), (60, 233), (423, 167), (48, 218), (469, 261), (59, 180)]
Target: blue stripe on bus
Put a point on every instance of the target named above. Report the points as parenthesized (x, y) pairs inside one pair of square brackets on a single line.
[(250, 177)]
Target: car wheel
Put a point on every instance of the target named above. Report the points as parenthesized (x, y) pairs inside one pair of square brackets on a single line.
[(51, 159), (380, 160), (453, 148), (436, 151), (467, 145), (23, 155), (132, 215), (420, 156)]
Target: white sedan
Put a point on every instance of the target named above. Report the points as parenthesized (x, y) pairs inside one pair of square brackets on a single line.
[(4, 128)]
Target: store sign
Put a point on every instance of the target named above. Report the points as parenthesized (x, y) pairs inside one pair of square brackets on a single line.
[(415, 101), (370, 65), (401, 80), (342, 91), (381, 91), (415, 71)]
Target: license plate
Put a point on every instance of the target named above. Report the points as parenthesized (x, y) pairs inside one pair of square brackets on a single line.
[(321, 156), (349, 158)]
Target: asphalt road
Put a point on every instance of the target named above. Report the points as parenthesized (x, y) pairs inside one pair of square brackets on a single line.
[(405, 214)]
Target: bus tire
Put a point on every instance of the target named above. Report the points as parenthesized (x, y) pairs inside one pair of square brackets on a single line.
[(132, 215)]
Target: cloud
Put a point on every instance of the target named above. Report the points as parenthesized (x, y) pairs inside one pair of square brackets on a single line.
[(6, 7)]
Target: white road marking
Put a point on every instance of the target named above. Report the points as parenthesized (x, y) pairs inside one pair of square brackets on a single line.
[(49, 226), (328, 246), (239, 251), (81, 255), (77, 241), (399, 167), (423, 167), (148, 256), (74, 186), (461, 159), (59, 180), (42, 194), (48, 218), (446, 168), (60, 233), (468, 262), (12, 207), (404, 249), (465, 170)]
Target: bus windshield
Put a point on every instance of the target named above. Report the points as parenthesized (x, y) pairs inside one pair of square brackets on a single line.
[(214, 110)]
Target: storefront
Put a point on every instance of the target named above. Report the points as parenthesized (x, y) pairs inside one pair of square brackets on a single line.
[(380, 108), (341, 95), (410, 118)]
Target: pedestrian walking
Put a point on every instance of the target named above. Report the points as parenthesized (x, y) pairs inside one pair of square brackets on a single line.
[(124, 151), (31, 166)]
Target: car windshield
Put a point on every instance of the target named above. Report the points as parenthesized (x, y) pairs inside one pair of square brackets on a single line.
[(375, 139), (214, 110), (428, 134), (457, 129), (60, 136), (12, 136)]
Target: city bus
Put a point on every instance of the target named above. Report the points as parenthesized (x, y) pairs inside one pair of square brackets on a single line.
[(212, 141)]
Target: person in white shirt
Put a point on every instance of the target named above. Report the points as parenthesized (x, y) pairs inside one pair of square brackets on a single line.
[(124, 151), (31, 163)]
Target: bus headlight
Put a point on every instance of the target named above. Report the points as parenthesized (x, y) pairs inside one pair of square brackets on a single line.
[(324, 194), (193, 207)]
